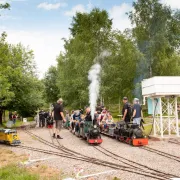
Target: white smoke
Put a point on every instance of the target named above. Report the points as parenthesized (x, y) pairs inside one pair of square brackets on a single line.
[(94, 78)]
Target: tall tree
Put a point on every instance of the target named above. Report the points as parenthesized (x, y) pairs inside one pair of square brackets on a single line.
[(21, 89), (50, 85), (90, 35), (119, 70), (157, 35), (156, 32)]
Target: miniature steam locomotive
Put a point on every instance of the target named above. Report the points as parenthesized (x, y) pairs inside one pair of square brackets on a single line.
[(91, 132), (9, 136), (125, 132), (87, 129)]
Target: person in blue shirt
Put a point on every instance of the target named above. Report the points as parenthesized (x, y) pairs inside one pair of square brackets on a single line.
[(137, 112)]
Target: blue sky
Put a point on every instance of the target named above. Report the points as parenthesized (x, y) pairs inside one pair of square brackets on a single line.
[(41, 24)]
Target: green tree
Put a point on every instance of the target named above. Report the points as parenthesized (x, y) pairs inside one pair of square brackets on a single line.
[(4, 6), (20, 88), (157, 35), (119, 70), (90, 35), (50, 85)]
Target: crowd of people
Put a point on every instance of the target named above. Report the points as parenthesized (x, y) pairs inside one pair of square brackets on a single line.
[(44, 117), (132, 112), (101, 117)]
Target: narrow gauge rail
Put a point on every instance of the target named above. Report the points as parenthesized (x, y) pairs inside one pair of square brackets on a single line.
[(65, 155), (174, 142), (123, 168), (157, 175), (131, 163), (161, 153)]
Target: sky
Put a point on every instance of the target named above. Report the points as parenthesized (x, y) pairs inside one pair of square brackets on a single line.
[(41, 24)]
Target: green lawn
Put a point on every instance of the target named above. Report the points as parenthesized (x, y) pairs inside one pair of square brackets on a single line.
[(19, 122), (11, 172), (147, 129)]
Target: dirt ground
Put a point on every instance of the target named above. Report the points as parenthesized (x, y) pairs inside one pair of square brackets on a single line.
[(66, 168), (8, 157)]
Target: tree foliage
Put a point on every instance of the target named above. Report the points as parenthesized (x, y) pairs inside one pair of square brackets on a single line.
[(151, 48), (4, 6), (50, 85), (20, 87), (157, 35), (91, 34)]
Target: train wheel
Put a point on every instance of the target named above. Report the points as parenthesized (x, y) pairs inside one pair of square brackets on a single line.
[(87, 138), (8, 143), (130, 142)]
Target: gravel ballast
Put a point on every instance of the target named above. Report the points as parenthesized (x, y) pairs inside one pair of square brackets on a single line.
[(70, 166)]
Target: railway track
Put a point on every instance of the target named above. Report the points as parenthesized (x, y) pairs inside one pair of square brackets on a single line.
[(63, 155), (164, 154), (131, 163), (174, 142), (68, 153), (161, 153)]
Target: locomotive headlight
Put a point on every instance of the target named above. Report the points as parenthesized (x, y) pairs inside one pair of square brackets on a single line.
[(95, 126)]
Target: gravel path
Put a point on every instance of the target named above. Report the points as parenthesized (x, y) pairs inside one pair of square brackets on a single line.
[(70, 141)]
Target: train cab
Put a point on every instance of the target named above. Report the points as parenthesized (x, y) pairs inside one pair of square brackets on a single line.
[(9, 136)]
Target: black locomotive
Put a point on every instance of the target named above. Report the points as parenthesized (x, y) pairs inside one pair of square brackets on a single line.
[(126, 132), (88, 129)]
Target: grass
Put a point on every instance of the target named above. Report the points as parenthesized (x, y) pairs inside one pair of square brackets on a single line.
[(14, 172), (18, 122), (30, 119), (147, 129), (10, 172), (115, 178), (9, 157)]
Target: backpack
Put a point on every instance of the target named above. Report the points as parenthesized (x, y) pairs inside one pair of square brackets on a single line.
[(130, 110)]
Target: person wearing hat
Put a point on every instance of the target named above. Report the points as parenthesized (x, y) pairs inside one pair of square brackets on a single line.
[(126, 111), (137, 112), (59, 118)]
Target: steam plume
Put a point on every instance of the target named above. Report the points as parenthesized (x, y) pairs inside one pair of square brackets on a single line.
[(94, 78)]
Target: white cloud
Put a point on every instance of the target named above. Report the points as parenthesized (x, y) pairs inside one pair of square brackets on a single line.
[(46, 45), (49, 6), (5, 17), (77, 8), (90, 5), (3, 1), (175, 4), (120, 19)]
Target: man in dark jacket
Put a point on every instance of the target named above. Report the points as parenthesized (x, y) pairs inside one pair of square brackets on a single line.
[(126, 111), (41, 119), (59, 118)]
